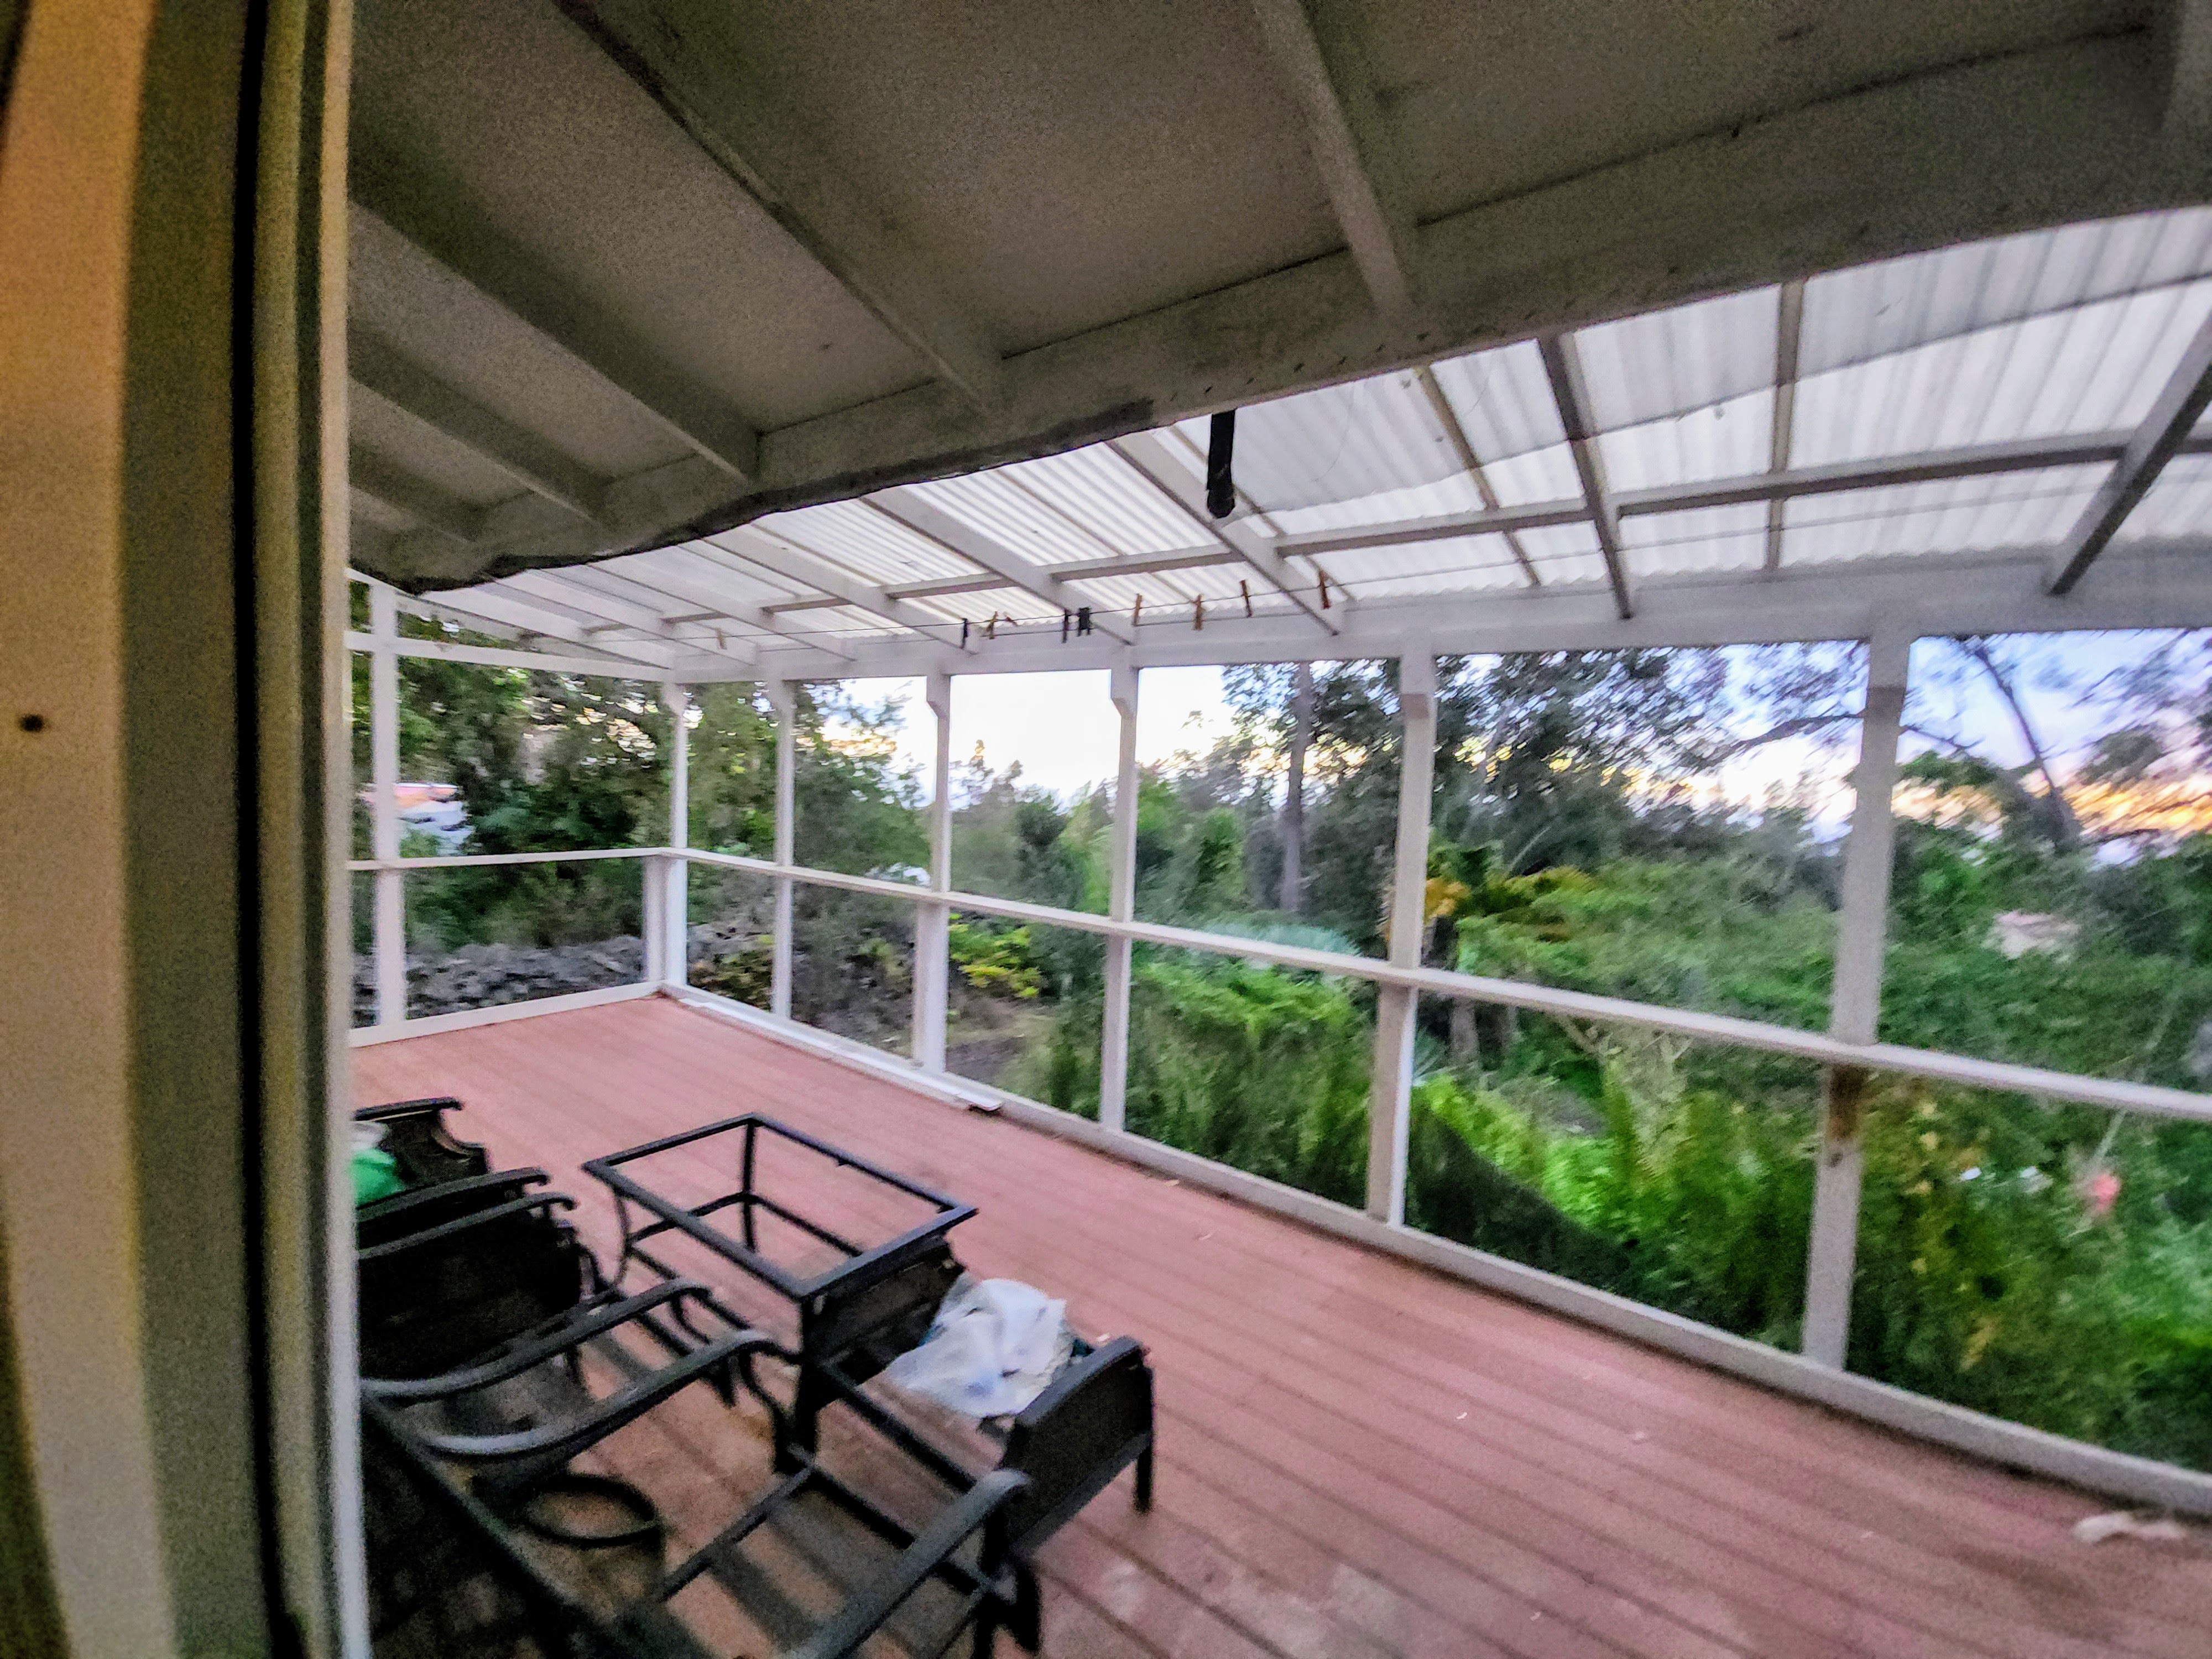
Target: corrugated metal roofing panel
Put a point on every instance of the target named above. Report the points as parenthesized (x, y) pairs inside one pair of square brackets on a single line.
[(1685, 544), (863, 541), (1667, 363), (1951, 515), (1538, 475), (1724, 439), (2091, 370)]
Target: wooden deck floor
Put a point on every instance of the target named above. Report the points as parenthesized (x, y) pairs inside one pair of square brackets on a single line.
[(1360, 1457)]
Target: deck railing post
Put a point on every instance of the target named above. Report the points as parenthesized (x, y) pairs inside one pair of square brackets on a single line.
[(783, 698), (390, 925), (1121, 905), (674, 896), (933, 921), (1390, 1081), (1855, 1005)]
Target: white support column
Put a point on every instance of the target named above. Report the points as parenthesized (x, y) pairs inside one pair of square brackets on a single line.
[(391, 915), (1390, 1082), (1120, 904), (783, 698), (675, 898), (931, 965), (1855, 1005)]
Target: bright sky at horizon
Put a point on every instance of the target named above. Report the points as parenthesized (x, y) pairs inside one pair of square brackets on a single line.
[(1062, 729)]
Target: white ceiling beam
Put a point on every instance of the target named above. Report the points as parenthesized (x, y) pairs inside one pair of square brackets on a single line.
[(1149, 453), (699, 584), (574, 661), (602, 598), (957, 537), (1563, 367), (538, 619), (1471, 464), (1321, 61), (683, 56), (2180, 402), (1789, 337), (376, 364), (807, 568), (2167, 586), (453, 233), (436, 509)]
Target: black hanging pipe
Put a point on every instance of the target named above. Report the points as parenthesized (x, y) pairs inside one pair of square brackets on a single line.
[(1220, 453)]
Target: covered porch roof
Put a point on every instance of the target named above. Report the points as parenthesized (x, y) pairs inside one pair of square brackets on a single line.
[(2006, 435), (1360, 1457)]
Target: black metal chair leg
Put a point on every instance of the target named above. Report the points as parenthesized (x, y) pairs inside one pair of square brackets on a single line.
[(1145, 1481)]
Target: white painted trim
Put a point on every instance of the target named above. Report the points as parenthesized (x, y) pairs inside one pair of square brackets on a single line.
[(675, 897), (388, 926), (933, 966), (1855, 1006), (783, 698), (1123, 687), (468, 860), (1817, 1046), (364, 1037), (2136, 1480), (1390, 1073), (494, 657)]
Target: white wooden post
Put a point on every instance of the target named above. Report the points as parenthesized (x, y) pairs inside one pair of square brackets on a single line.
[(1121, 905), (783, 698), (675, 969), (391, 924), (1390, 1082), (932, 920), (1855, 1005)]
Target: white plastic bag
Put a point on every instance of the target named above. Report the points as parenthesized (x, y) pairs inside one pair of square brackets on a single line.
[(992, 1347)]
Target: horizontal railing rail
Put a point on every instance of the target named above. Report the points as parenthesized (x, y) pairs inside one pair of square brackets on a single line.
[(2003, 1076), (471, 860)]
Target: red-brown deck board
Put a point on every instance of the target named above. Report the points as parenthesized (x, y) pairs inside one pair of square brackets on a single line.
[(1359, 1456)]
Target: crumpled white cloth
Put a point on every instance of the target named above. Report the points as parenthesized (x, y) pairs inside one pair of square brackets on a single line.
[(992, 1347)]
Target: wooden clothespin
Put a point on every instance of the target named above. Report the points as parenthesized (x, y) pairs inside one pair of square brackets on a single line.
[(964, 633), (1245, 588), (1324, 589), (1067, 621), (991, 627), (1137, 611), (1198, 612), (1082, 621)]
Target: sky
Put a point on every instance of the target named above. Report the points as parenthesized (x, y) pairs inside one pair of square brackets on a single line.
[(1062, 728)]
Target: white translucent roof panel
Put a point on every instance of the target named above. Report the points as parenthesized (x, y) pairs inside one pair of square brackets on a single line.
[(1732, 537), (1950, 515), (1724, 439), (1338, 444), (2178, 504), (1667, 363), (2090, 369), (1463, 564), (1563, 554), (1870, 310), (866, 542), (2054, 335), (1504, 401)]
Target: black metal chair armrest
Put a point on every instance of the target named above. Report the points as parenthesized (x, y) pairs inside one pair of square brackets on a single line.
[(448, 1230), (865, 1614), (520, 1359), (1091, 1422), (391, 1109), (552, 1444), (445, 1193)]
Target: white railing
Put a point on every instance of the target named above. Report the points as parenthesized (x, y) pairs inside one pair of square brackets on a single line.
[(1846, 1051)]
